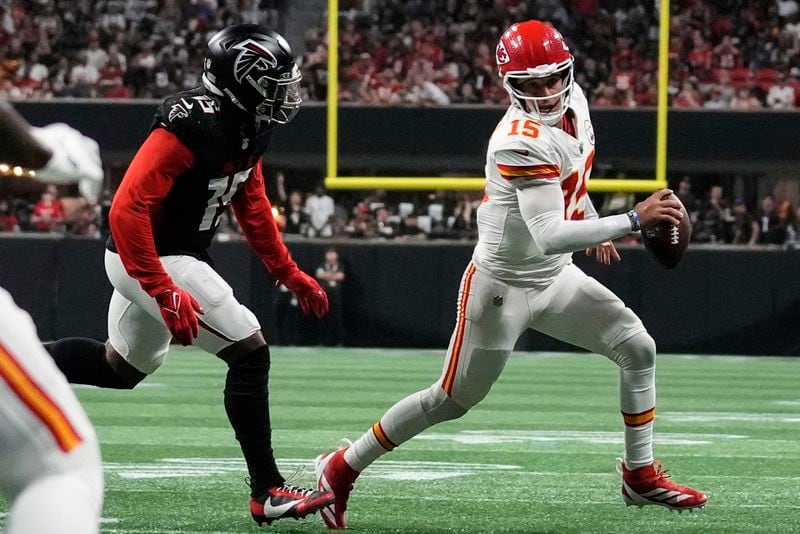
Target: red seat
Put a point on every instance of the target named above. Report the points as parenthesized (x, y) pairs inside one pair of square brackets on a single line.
[(765, 85), (767, 75), (741, 74)]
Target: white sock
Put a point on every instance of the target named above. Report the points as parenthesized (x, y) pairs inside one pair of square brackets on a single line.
[(400, 423), (364, 451), (637, 401)]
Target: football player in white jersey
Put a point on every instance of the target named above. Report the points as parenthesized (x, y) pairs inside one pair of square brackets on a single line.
[(535, 214), (50, 470)]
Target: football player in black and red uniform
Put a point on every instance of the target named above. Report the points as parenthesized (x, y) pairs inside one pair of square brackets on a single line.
[(203, 153)]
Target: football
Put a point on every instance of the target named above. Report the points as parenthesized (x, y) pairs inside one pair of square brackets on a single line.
[(668, 242)]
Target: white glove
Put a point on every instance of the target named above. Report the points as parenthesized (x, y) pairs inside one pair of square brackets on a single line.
[(76, 158)]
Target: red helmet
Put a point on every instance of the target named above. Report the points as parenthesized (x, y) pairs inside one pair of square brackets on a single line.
[(534, 49)]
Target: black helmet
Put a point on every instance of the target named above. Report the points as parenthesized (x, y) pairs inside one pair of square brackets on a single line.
[(253, 66)]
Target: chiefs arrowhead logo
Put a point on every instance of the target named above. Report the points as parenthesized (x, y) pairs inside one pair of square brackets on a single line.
[(502, 54), (253, 55)]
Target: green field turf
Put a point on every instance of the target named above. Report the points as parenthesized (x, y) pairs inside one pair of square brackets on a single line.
[(538, 455)]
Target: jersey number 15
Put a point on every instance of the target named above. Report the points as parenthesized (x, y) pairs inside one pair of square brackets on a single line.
[(223, 190), (529, 128)]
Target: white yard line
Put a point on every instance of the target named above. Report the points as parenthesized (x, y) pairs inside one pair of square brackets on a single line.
[(572, 502), (719, 417), (615, 475), (150, 531)]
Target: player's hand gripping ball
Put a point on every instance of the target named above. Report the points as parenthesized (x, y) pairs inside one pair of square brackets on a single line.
[(668, 242)]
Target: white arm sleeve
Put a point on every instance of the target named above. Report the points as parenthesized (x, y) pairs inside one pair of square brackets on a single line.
[(542, 208)]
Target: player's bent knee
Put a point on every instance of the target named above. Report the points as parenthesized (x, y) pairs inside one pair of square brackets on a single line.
[(439, 407), (246, 349), (127, 376), (636, 352)]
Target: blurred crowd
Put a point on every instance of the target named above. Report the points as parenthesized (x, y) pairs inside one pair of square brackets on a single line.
[(442, 51), (51, 212), (720, 218), (378, 214), (717, 216), (738, 54), (112, 48)]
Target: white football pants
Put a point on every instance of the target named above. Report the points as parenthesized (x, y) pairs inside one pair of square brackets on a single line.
[(136, 329), (491, 315)]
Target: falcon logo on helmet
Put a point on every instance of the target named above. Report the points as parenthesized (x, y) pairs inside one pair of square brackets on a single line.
[(252, 55)]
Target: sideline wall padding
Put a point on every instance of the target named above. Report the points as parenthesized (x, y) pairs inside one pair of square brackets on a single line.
[(718, 301)]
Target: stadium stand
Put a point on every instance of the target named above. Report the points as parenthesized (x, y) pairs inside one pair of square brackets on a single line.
[(396, 52), (417, 53)]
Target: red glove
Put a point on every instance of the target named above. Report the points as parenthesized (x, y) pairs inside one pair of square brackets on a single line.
[(308, 292), (178, 308)]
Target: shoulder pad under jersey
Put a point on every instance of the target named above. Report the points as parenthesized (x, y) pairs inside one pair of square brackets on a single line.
[(192, 116), (527, 160)]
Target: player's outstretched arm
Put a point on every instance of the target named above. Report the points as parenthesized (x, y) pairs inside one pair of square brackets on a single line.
[(19, 147), (542, 207), (58, 153), (254, 213)]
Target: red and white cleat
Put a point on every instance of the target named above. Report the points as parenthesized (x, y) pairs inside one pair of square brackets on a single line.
[(284, 501), (336, 476), (651, 485)]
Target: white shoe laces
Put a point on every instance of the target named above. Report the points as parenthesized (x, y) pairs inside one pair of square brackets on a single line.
[(302, 492)]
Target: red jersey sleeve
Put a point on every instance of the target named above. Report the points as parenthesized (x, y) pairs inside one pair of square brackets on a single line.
[(254, 213), (147, 181)]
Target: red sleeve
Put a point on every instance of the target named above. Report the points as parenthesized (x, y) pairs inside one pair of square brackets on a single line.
[(147, 181), (254, 213)]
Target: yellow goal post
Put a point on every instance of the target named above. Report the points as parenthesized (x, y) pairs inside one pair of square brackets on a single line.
[(626, 185)]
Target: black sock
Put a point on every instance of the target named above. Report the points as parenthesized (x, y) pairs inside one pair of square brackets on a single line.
[(247, 406), (83, 361)]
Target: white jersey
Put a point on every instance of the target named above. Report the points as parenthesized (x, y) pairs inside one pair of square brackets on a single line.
[(524, 152), (48, 448)]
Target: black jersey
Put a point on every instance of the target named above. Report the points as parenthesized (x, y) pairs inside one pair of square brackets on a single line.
[(224, 149)]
